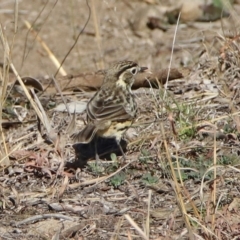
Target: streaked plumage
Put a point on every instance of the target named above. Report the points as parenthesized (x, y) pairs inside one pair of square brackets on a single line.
[(113, 108)]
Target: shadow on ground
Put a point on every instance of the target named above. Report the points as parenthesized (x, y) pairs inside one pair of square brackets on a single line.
[(104, 146)]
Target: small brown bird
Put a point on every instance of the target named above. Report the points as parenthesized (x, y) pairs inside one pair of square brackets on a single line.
[(111, 111)]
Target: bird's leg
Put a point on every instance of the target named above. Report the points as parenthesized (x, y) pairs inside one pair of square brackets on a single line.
[(96, 151), (120, 147)]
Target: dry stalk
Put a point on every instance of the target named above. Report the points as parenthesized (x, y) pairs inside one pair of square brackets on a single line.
[(148, 214), (97, 32), (136, 227), (171, 56), (25, 55), (213, 168), (4, 77), (16, 17), (100, 179), (214, 180), (46, 48), (177, 189), (35, 103), (117, 228), (203, 226)]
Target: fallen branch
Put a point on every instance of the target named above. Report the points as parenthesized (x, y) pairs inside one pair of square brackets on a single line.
[(41, 217), (92, 81)]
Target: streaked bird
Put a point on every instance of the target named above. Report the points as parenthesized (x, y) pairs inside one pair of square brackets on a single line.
[(111, 111)]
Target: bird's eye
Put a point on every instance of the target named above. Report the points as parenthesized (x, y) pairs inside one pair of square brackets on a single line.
[(134, 71)]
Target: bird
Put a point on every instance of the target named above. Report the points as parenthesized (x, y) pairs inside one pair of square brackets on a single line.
[(112, 110)]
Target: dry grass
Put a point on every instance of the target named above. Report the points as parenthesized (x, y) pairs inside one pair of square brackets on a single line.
[(182, 177)]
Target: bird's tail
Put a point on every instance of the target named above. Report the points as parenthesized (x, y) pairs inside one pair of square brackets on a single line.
[(86, 135)]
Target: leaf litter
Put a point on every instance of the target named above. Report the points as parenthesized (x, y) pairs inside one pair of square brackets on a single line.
[(200, 118)]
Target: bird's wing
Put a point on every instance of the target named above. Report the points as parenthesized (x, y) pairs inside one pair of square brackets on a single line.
[(102, 110), (112, 107), (86, 135)]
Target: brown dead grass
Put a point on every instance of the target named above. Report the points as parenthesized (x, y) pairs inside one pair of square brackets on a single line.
[(182, 177)]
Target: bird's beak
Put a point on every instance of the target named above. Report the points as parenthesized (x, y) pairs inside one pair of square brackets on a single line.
[(142, 69)]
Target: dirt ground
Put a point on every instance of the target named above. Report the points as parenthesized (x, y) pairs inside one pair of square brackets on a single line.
[(196, 123), (58, 24)]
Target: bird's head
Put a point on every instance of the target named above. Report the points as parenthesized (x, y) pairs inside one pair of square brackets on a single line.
[(123, 73)]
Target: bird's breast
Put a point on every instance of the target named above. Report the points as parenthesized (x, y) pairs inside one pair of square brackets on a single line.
[(115, 130), (120, 83)]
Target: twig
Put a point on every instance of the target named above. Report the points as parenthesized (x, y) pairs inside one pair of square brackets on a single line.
[(74, 44), (136, 227), (46, 48), (43, 216), (171, 56)]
